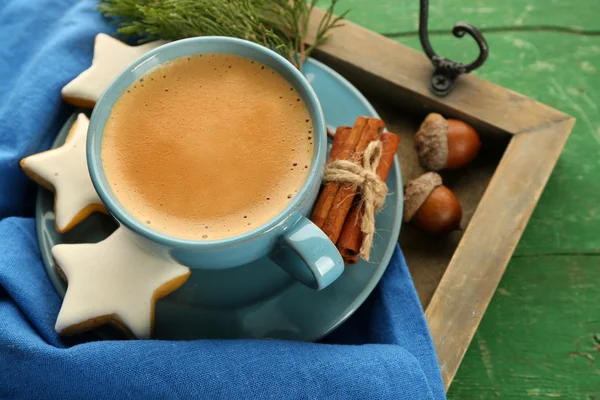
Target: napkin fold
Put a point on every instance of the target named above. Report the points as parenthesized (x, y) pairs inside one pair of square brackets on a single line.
[(383, 351)]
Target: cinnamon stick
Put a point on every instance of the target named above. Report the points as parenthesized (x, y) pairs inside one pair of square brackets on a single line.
[(341, 147), (368, 130), (351, 237), (344, 144)]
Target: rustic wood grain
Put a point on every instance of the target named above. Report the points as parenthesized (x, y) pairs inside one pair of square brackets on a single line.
[(489, 241), (376, 64), (540, 337), (387, 70)]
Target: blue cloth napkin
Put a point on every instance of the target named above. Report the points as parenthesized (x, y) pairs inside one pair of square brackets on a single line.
[(384, 351)]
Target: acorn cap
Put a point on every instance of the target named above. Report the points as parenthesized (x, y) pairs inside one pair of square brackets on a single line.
[(417, 191), (432, 142)]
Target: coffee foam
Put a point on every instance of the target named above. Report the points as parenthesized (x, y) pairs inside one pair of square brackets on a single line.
[(207, 146)]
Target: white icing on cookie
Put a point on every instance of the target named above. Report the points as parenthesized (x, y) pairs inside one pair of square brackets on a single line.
[(114, 277), (65, 168), (111, 57)]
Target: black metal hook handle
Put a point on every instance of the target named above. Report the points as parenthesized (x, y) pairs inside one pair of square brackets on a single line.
[(446, 71)]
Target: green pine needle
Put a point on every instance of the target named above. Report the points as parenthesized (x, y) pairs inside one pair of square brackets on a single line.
[(278, 24)]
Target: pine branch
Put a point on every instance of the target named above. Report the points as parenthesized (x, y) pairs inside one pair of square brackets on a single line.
[(281, 25)]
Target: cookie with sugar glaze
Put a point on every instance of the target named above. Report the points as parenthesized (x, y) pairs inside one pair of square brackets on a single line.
[(115, 281), (111, 57), (64, 171)]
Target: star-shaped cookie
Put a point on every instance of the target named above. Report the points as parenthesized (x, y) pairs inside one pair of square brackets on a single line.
[(111, 57), (114, 281), (64, 170)]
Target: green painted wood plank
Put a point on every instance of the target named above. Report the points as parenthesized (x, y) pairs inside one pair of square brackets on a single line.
[(537, 337), (387, 16)]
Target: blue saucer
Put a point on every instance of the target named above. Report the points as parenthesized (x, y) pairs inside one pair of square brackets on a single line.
[(266, 302)]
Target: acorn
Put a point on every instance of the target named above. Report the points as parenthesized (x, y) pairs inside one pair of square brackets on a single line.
[(431, 206), (446, 143)]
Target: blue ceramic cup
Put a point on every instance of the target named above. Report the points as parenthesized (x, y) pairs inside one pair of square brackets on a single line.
[(290, 239)]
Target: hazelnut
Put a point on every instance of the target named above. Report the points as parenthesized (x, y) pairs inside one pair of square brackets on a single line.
[(430, 205), (443, 143)]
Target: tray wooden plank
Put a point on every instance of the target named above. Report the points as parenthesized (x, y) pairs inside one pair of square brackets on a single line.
[(488, 243), (399, 76)]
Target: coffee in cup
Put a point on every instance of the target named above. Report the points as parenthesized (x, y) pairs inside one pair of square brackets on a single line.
[(207, 146)]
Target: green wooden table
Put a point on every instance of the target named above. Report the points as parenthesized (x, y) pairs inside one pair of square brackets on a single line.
[(540, 337)]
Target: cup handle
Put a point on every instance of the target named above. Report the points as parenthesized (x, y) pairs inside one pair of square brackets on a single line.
[(307, 254)]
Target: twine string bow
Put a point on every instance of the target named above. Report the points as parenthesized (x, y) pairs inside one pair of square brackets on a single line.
[(363, 179)]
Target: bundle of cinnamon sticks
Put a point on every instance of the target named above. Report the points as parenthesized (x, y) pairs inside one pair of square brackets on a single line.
[(338, 208)]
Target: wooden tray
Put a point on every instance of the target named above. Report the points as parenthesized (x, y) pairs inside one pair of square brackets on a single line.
[(456, 276)]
